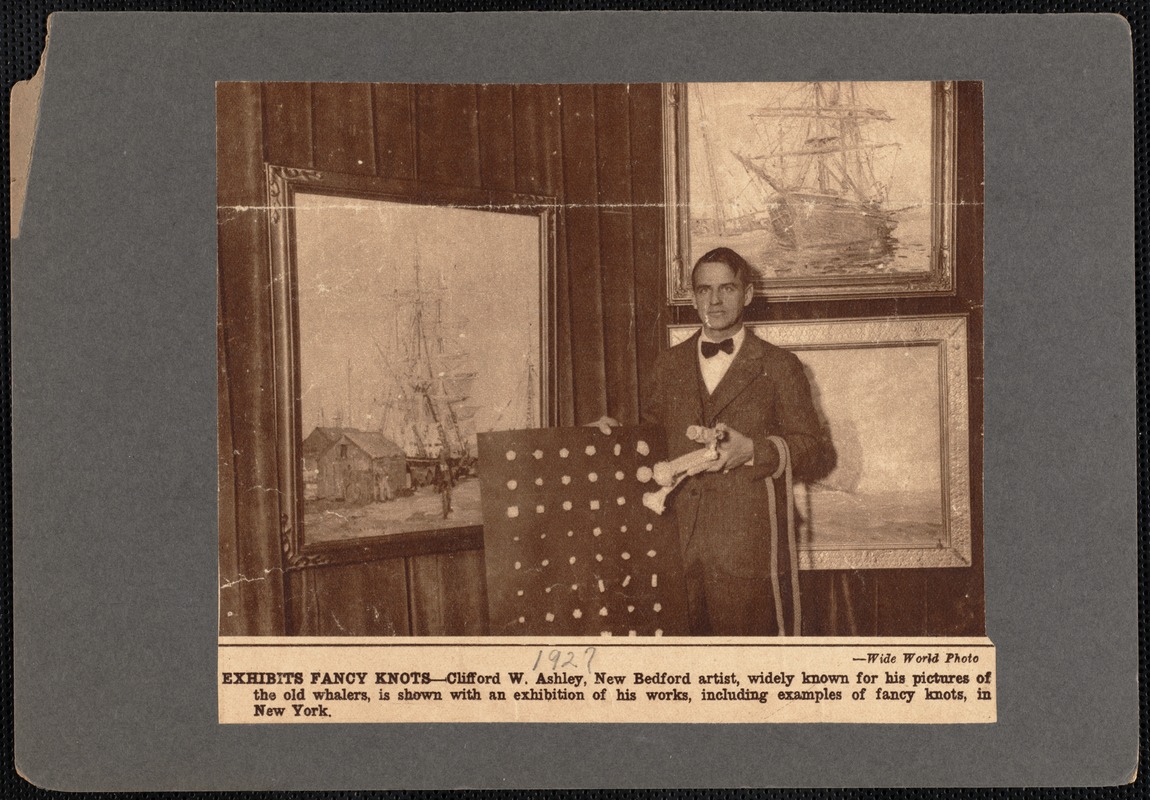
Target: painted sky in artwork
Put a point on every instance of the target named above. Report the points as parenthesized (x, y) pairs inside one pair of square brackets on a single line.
[(479, 274)]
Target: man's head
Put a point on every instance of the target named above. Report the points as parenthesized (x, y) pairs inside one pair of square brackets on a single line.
[(723, 288)]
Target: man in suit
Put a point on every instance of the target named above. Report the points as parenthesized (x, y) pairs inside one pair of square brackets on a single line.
[(739, 568)]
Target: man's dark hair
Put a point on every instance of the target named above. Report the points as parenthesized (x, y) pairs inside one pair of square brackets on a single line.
[(744, 273)]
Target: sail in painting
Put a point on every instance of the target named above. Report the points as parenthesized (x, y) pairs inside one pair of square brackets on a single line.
[(811, 179), (821, 175), (427, 383)]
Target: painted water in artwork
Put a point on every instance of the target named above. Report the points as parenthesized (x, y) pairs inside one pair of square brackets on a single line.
[(882, 406)]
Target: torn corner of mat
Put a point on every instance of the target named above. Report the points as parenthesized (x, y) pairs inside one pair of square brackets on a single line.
[(24, 113)]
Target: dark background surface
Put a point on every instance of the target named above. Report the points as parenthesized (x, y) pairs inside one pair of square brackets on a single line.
[(129, 632)]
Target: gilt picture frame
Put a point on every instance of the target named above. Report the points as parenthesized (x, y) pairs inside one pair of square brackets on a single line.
[(398, 317), (831, 190), (893, 396)]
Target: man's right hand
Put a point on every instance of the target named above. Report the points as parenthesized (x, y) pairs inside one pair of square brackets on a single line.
[(604, 424)]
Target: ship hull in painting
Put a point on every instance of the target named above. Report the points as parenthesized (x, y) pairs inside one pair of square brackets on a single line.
[(806, 220)]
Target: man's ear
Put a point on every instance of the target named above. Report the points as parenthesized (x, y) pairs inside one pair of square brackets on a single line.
[(748, 294)]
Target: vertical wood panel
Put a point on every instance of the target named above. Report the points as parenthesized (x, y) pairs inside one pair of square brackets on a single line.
[(394, 121), (900, 603), (463, 583), (616, 248), (343, 137), (363, 599), (287, 124), (303, 603), (855, 595), (537, 140), (538, 144), (838, 603), (955, 604), (426, 601), (231, 604), (448, 594), (287, 115), (585, 287), (447, 135), (648, 225), (243, 295), (955, 601), (496, 137), (815, 596)]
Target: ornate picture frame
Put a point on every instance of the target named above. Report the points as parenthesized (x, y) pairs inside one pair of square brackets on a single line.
[(894, 396), (391, 307), (831, 190)]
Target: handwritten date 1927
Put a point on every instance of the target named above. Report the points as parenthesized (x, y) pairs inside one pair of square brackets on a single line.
[(564, 659)]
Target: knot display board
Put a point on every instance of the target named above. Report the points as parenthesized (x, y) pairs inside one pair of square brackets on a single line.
[(570, 549)]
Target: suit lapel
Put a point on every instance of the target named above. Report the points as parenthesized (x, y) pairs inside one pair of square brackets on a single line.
[(743, 370), (685, 376)]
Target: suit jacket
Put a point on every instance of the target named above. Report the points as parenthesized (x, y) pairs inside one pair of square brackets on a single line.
[(723, 518)]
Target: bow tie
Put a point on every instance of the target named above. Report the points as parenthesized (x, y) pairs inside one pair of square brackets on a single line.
[(711, 349)]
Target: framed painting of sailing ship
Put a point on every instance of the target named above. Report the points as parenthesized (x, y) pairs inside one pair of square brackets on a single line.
[(892, 396), (405, 323), (829, 189)]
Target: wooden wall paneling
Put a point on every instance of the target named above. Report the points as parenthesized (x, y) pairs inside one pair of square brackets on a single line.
[(584, 285), (369, 599), (647, 230), (463, 587), (900, 602), (496, 120), (955, 601), (393, 109), (447, 134), (230, 604), (955, 604), (302, 603), (425, 589), (245, 317), (818, 602), (838, 603), (343, 128), (616, 247), (448, 594), (856, 600), (819, 605), (538, 139), (538, 142), (287, 120), (287, 124)]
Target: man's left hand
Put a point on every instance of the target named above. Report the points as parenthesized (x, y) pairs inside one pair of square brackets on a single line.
[(734, 451)]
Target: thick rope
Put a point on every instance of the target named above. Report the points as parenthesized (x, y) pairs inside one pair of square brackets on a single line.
[(771, 507), (784, 468)]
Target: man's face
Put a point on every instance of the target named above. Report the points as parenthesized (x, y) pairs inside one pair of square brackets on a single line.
[(720, 297)]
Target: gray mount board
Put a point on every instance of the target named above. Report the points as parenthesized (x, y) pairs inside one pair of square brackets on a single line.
[(114, 400)]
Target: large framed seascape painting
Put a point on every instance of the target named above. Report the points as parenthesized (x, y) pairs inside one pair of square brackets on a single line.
[(829, 189), (892, 396), (404, 325)]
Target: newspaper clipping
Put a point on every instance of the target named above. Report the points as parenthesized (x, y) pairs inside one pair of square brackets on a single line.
[(601, 403)]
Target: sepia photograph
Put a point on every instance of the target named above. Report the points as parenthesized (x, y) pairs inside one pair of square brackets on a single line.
[(587, 360)]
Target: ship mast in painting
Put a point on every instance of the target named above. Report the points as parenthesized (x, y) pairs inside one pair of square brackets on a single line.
[(426, 412), (819, 173)]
